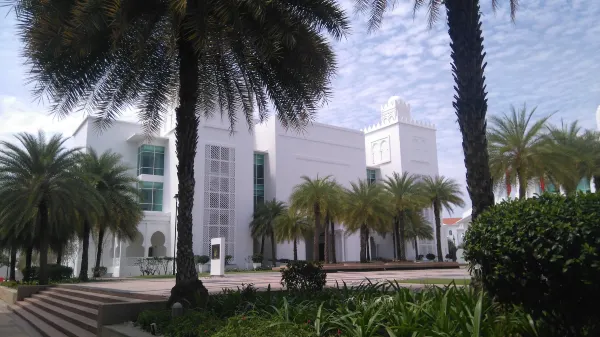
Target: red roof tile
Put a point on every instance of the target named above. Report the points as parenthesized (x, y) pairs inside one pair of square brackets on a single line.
[(450, 221)]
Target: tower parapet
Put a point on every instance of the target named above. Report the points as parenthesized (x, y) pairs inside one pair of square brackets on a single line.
[(396, 111)]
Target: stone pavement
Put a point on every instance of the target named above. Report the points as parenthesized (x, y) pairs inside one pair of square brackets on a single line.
[(13, 326), (162, 287)]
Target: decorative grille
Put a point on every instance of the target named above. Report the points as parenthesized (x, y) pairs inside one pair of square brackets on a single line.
[(219, 197)]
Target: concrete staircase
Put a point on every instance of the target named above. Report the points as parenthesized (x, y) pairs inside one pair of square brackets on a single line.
[(65, 311)]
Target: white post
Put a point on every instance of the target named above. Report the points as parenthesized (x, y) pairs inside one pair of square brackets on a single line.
[(217, 257)]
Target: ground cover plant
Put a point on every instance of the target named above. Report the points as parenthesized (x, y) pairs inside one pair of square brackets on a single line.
[(370, 309)]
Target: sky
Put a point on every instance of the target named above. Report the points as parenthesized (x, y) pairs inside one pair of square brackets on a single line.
[(546, 58)]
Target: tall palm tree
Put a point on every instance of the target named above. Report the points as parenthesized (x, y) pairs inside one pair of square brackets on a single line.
[(580, 153), (316, 197), (470, 102), (232, 57), (291, 226), (406, 193), (37, 185), (519, 147), (443, 193), (263, 223), (119, 198), (367, 209), (417, 228)]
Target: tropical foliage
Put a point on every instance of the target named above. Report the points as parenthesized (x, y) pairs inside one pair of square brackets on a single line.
[(263, 223), (292, 226), (51, 195)]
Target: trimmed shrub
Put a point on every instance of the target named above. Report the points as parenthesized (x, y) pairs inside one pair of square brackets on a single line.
[(55, 272), (201, 259), (430, 257), (257, 258), (542, 253), (228, 259), (303, 276)]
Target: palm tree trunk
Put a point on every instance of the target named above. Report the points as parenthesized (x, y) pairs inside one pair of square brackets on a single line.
[(363, 244), (597, 183), (59, 255), (333, 257), (99, 252), (44, 243), (83, 270), (262, 245), (400, 232), (28, 258), (295, 249), (273, 257), (186, 139), (464, 28), (13, 263), (436, 212), (416, 249), (326, 256), (317, 211), (522, 185), (395, 250)]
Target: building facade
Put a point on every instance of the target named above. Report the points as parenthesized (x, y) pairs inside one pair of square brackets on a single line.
[(236, 170)]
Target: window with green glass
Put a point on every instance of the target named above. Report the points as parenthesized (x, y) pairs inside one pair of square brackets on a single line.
[(584, 185), (151, 160), (371, 176), (151, 195), (259, 178)]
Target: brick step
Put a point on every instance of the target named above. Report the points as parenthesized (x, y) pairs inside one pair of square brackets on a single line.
[(39, 325), (72, 299), (69, 305), (94, 296), (70, 316), (66, 328)]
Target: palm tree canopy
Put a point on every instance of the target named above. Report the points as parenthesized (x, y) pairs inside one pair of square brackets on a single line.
[(377, 8), (108, 56), (291, 226), (117, 188), (39, 170), (417, 227), (322, 192), (264, 216), (518, 145), (444, 190), (405, 190), (367, 204)]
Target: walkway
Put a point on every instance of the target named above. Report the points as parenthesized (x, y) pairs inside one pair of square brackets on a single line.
[(162, 287), (13, 326)]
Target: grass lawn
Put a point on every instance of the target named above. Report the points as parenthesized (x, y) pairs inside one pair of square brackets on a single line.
[(437, 281)]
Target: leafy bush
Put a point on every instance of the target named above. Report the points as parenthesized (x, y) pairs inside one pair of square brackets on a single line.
[(303, 276), (55, 272), (420, 257), (257, 258), (154, 265), (201, 259), (430, 257), (228, 259), (99, 272), (542, 253)]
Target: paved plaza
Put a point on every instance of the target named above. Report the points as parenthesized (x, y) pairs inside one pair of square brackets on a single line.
[(162, 287)]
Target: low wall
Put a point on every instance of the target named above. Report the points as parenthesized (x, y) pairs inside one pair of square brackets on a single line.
[(26, 291), (8, 295), (117, 313)]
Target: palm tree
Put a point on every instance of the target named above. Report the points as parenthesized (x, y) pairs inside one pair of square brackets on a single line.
[(443, 193), (367, 208), (263, 223), (580, 153), (316, 197), (120, 209), (227, 56), (519, 148), (37, 185), (470, 105), (417, 228), (291, 226), (407, 194)]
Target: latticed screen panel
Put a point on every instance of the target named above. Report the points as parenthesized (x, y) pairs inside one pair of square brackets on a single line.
[(219, 197)]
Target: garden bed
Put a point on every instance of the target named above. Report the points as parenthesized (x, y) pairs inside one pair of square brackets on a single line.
[(383, 309), (376, 265)]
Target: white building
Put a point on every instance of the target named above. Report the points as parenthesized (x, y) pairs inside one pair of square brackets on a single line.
[(235, 171)]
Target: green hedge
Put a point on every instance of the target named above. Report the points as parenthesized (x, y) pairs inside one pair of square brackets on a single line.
[(544, 254), (55, 272)]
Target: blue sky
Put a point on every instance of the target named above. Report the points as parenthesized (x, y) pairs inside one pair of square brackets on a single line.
[(547, 58)]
